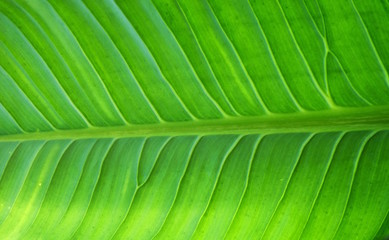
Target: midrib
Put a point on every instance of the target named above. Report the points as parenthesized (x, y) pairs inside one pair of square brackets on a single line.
[(341, 119)]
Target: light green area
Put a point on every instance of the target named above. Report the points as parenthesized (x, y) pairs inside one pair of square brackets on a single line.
[(208, 119)]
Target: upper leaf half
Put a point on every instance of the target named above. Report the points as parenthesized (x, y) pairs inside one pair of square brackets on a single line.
[(85, 64)]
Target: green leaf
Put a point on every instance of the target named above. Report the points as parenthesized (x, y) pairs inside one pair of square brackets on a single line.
[(207, 119)]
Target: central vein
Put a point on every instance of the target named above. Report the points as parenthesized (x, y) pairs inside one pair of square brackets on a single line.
[(350, 119)]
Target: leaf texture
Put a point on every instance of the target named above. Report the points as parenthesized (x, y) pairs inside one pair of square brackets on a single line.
[(209, 119)]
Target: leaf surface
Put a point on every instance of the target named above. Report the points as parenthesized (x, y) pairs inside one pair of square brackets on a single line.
[(209, 119)]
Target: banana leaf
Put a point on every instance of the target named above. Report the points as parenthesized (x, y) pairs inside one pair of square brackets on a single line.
[(203, 119)]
